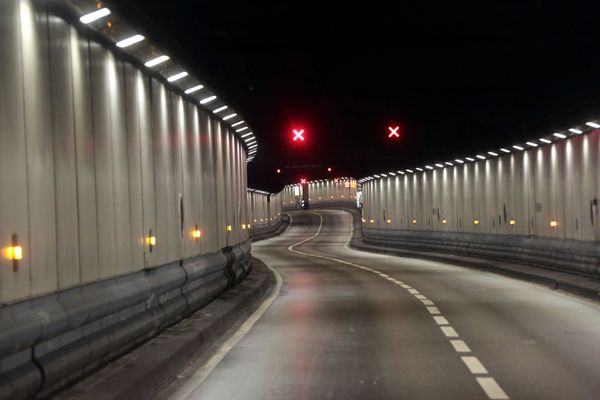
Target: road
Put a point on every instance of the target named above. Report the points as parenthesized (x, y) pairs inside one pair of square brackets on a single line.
[(349, 324)]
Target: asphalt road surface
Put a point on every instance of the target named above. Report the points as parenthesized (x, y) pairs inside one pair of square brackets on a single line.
[(349, 324)]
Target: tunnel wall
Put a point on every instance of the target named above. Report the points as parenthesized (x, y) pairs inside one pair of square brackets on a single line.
[(538, 206), (98, 156), (324, 193)]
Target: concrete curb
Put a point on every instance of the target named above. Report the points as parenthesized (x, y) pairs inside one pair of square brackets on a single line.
[(144, 372)]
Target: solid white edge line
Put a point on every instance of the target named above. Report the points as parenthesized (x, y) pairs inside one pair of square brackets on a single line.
[(201, 374)]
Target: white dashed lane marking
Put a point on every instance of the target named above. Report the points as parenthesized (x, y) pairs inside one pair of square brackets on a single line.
[(489, 385)]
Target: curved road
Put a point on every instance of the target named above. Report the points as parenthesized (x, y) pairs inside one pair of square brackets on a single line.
[(355, 325)]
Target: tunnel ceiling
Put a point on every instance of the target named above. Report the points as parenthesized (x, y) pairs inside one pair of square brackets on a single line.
[(455, 78)]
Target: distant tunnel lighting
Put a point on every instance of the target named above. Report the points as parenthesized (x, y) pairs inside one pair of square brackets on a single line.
[(448, 163), (401, 172), (178, 76), (428, 167), (130, 40), (93, 16), (458, 160), (559, 135), (384, 175), (156, 61), (544, 140), (592, 124), (505, 150), (390, 173), (377, 176), (480, 157), (218, 110), (207, 100), (419, 169), (577, 131), (469, 159), (252, 145), (439, 165), (518, 147), (532, 144), (225, 118), (491, 153), (241, 129), (410, 170), (246, 134), (193, 89), (237, 123)]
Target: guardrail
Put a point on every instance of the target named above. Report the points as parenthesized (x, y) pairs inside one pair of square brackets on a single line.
[(48, 341)]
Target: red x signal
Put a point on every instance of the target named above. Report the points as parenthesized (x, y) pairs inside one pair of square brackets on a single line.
[(299, 135), (393, 131)]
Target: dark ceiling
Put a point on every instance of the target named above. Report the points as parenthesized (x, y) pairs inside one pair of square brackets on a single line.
[(458, 77)]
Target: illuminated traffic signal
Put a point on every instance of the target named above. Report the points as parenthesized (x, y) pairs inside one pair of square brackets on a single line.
[(393, 132), (298, 135)]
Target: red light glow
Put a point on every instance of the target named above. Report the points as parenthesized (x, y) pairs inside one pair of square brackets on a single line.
[(394, 131), (299, 135), (303, 181), (278, 171), (328, 169)]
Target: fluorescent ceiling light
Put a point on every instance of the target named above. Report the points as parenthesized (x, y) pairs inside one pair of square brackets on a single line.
[(246, 134), (458, 160), (392, 173), (544, 140), (156, 61), (532, 144), (207, 100), (419, 169), (384, 175), (194, 89), (469, 159), (560, 135), (130, 40), (491, 153), (241, 129), (91, 17), (592, 124), (178, 76), (504, 150), (577, 131), (401, 172), (225, 118), (428, 167), (237, 123), (518, 147), (218, 110), (410, 170), (376, 176), (449, 163), (439, 165), (480, 157)]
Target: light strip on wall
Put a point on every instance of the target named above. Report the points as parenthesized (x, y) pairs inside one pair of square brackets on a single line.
[(207, 100), (130, 40), (93, 16), (194, 89), (178, 76), (156, 61)]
